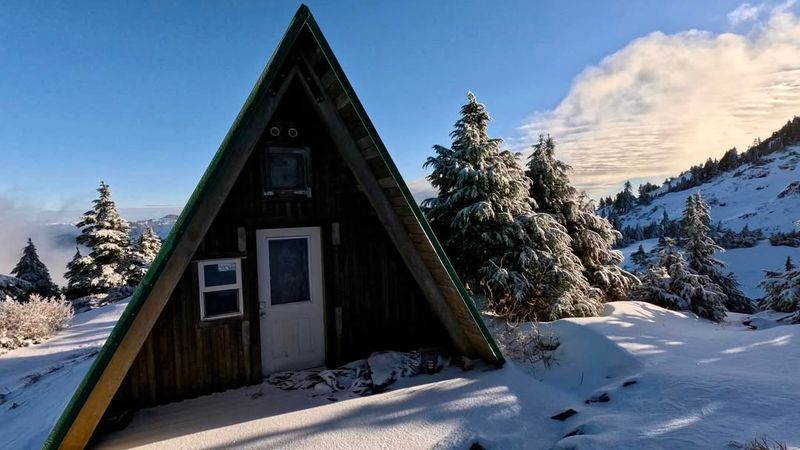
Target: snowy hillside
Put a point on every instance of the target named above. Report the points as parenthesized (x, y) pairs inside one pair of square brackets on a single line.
[(763, 195), (36, 382)]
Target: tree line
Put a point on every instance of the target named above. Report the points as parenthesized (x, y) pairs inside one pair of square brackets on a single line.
[(112, 259)]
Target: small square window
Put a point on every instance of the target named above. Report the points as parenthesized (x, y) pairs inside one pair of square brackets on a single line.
[(220, 288), (287, 172)]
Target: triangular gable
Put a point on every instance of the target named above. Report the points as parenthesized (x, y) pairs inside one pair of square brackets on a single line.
[(313, 63)]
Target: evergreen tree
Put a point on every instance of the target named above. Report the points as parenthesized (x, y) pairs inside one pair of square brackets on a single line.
[(521, 260), (700, 249), (730, 160), (105, 233), (640, 259), (625, 200), (78, 275), (673, 285), (592, 236), (31, 269), (142, 255), (782, 288)]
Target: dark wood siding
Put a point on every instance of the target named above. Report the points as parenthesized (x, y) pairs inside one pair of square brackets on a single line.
[(371, 299)]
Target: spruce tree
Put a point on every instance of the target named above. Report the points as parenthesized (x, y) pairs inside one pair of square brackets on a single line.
[(143, 253), (673, 285), (105, 233), (78, 276), (592, 236), (700, 249), (640, 259), (31, 269), (521, 260), (783, 289)]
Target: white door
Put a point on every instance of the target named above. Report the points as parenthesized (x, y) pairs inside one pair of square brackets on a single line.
[(290, 299)]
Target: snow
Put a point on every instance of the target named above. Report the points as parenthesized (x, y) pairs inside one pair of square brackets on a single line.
[(36, 382), (749, 195), (748, 264), (448, 410), (702, 386), (653, 378)]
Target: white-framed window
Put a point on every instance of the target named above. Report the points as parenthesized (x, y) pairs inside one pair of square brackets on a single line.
[(220, 283)]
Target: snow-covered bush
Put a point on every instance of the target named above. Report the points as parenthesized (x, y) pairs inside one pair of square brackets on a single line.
[(32, 322), (526, 343)]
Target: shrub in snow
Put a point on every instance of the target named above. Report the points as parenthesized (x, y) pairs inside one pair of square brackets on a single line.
[(700, 249), (31, 322), (525, 343), (520, 259), (790, 239), (141, 255), (105, 233), (31, 269), (592, 236), (782, 288)]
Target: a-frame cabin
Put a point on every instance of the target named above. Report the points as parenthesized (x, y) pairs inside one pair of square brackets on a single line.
[(301, 246)]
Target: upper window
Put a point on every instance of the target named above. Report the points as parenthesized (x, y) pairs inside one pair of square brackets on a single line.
[(287, 172), (220, 288)]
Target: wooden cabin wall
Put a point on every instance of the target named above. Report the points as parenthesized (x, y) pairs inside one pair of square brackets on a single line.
[(372, 302)]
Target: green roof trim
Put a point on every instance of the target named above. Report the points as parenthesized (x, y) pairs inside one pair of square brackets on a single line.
[(301, 18)]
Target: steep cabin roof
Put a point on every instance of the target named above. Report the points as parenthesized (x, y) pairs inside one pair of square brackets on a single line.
[(304, 56)]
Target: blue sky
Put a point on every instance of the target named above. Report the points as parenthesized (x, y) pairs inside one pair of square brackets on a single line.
[(140, 94)]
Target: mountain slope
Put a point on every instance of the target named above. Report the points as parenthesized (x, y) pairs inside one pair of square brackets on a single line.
[(763, 195)]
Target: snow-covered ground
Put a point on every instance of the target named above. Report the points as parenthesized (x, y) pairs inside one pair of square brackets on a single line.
[(748, 264), (36, 382), (671, 381), (750, 195)]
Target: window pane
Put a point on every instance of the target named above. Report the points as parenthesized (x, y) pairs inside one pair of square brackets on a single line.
[(219, 274), (288, 271), (287, 171), (221, 302)]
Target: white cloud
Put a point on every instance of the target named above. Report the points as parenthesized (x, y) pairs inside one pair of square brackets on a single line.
[(665, 102), (744, 13)]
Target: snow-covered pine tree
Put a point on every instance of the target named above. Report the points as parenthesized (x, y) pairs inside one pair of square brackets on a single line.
[(640, 259), (521, 260), (592, 236), (31, 269), (700, 249), (142, 254), (78, 276), (672, 284), (105, 233), (706, 298), (782, 288)]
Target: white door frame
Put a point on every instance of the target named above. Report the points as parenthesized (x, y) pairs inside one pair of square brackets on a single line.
[(303, 323)]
